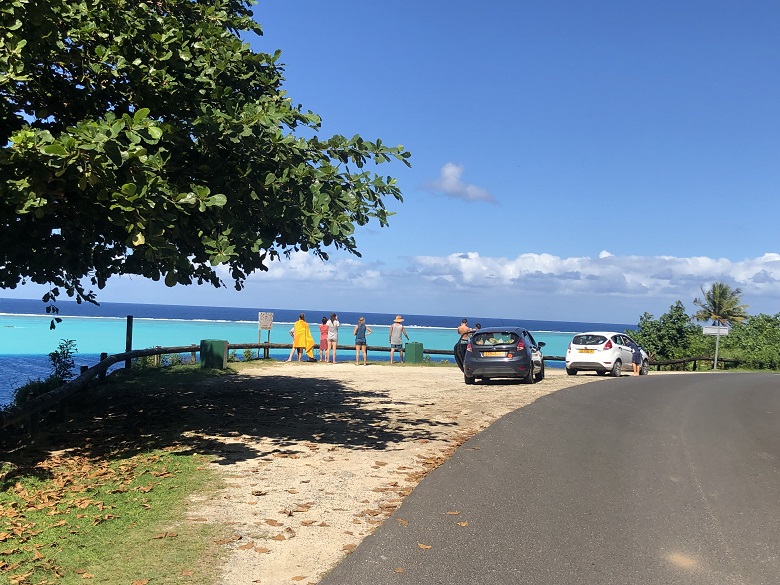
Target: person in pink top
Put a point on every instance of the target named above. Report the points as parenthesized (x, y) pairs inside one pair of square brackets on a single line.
[(324, 339)]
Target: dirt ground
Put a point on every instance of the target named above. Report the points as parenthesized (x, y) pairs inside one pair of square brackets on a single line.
[(317, 455)]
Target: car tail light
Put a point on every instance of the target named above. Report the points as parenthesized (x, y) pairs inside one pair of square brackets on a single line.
[(520, 345), (468, 347), (608, 344)]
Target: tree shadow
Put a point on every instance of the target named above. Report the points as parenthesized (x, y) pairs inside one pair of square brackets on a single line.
[(220, 416)]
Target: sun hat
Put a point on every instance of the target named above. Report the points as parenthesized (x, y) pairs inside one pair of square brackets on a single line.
[(398, 319)]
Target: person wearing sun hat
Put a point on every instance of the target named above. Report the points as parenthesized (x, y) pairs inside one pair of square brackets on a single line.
[(397, 332)]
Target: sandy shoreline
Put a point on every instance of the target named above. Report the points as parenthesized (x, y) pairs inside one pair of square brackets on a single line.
[(338, 448)]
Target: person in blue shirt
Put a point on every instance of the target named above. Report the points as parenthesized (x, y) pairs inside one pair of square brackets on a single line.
[(361, 330)]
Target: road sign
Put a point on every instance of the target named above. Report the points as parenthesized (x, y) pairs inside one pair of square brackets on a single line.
[(265, 321), (715, 330)]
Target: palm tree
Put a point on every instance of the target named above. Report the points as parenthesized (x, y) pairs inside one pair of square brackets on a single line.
[(720, 305)]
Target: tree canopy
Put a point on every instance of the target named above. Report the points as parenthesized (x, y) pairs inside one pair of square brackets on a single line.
[(720, 304), (669, 337), (148, 138)]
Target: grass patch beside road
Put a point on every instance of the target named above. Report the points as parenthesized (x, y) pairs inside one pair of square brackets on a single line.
[(120, 521), (102, 496)]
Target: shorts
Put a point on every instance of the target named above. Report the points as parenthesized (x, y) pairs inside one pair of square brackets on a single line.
[(396, 346), (360, 341), (636, 358)]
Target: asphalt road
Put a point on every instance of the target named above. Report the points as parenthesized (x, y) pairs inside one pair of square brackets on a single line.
[(665, 479)]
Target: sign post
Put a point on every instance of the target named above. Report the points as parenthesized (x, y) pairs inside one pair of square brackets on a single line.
[(265, 321), (717, 331)]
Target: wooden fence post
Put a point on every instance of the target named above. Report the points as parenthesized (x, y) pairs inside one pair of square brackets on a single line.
[(129, 341), (102, 375)]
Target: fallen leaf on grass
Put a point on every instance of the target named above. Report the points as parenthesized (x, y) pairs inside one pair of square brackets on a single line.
[(349, 547), (424, 546), (87, 575), (262, 549), (140, 582), (247, 546), (298, 578), (166, 535), (272, 522), (453, 513), (307, 522), (463, 523), (403, 522), (186, 573), (278, 537), (399, 569)]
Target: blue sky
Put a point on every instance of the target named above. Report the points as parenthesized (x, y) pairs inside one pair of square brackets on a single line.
[(571, 160)]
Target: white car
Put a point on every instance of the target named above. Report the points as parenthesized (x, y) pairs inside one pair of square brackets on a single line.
[(603, 352)]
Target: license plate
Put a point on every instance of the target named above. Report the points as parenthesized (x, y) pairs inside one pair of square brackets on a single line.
[(585, 350), (493, 354)]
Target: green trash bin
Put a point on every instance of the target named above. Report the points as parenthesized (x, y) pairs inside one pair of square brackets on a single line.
[(213, 353), (413, 352)]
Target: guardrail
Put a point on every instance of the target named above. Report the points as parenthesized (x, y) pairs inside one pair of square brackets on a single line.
[(695, 360)]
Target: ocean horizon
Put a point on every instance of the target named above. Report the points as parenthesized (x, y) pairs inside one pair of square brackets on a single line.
[(26, 339)]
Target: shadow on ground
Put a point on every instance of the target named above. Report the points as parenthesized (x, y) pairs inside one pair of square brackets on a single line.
[(218, 415)]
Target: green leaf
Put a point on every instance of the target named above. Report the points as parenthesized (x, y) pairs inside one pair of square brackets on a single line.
[(218, 200), (55, 149), (140, 115), (155, 132)]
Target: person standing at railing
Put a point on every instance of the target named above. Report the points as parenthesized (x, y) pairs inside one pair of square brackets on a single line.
[(324, 339), (360, 332), (333, 336), (302, 339), (397, 332)]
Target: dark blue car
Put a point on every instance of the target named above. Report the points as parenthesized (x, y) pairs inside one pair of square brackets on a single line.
[(503, 352)]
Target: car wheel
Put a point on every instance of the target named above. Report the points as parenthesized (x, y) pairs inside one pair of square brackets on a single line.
[(600, 372), (529, 378), (468, 379), (571, 371), (540, 375), (644, 369), (617, 368)]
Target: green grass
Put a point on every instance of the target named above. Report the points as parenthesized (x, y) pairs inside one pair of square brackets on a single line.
[(118, 521), (101, 493)]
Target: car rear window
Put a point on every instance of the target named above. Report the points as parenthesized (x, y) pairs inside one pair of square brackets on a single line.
[(495, 338), (589, 339)]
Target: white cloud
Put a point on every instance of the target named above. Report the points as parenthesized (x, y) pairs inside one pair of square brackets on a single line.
[(576, 288), (606, 288), (450, 184)]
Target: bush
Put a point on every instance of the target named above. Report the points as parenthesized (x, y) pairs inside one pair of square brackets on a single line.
[(144, 362), (232, 356), (248, 355), (62, 360), (62, 364), (35, 388)]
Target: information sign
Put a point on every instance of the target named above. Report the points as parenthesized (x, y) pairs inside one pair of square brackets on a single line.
[(715, 330), (265, 321)]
